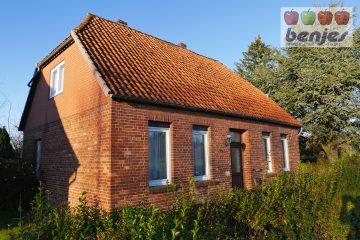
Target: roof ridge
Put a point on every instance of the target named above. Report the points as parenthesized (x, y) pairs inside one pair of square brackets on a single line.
[(86, 20), (173, 44), (89, 16)]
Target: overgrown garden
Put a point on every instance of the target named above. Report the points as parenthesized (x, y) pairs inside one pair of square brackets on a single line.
[(320, 201)]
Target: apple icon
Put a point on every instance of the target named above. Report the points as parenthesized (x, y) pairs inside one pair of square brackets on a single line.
[(342, 17), (325, 17), (291, 17), (308, 17)]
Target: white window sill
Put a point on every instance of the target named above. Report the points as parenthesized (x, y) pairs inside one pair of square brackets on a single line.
[(56, 94), (161, 182), (202, 178)]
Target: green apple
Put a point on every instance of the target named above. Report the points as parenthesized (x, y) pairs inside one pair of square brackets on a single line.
[(308, 17)]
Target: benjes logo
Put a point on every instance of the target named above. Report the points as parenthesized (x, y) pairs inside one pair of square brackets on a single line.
[(316, 27)]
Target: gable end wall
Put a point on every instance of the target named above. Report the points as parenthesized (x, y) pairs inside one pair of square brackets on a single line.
[(74, 128)]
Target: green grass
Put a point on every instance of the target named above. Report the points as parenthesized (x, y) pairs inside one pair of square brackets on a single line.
[(8, 223)]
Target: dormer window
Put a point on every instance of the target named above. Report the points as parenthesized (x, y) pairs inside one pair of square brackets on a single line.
[(57, 80)]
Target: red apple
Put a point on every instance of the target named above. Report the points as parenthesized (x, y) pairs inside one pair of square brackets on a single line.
[(342, 17), (291, 17), (325, 17)]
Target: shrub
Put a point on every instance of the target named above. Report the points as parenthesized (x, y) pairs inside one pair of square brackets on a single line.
[(17, 184), (6, 149), (310, 204)]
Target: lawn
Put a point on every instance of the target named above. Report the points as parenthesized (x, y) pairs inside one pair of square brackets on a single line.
[(8, 223)]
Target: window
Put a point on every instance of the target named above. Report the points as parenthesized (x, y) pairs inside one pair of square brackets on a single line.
[(57, 80), (201, 153), (37, 158), (267, 152), (285, 151), (159, 154)]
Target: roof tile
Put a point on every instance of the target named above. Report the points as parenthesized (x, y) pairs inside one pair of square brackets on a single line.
[(136, 65)]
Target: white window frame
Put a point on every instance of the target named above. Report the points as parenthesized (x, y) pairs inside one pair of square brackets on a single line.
[(167, 180), (266, 136), (207, 162), (56, 91), (285, 145)]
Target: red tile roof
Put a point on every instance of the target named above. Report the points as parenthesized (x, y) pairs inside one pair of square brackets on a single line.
[(139, 67)]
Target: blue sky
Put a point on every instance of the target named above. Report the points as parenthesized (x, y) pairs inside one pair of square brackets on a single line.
[(217, 29)]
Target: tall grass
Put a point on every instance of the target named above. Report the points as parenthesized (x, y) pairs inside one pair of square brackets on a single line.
[(317, 202)]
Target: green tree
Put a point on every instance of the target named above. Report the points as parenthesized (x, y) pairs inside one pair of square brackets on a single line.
[(320, 87), (6, 150), (258, 55)]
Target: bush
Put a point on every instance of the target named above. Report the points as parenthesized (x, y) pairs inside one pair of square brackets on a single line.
[(17, 184), (311, 204), (6, 149)]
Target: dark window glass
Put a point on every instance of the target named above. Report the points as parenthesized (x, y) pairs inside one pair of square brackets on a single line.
[(200, 128), (266, 157), (157, 155), (236, 160), (199, 153), (159, 124), (38, 158), (235, 137)]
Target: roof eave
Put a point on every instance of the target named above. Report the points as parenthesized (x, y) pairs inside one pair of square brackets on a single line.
[(118, 97), (63, 45), (33, 82), (25, 113)]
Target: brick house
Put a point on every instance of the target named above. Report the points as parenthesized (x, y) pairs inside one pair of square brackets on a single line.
[(120, 114)]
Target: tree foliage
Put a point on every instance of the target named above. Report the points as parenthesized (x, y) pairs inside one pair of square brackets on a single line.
[(258, 55), (6, 150), (318, 86)]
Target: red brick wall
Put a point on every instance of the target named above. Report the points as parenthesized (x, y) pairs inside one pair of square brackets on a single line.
[(130, 155), (75, 156)]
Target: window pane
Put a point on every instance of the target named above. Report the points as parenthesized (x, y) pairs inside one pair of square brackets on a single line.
[(157, 155), (235, 136), (265, 150), (61, 78), (267, 156), (284, 154), (199, 154), (236, 160), (266, 134), (38, 158), (53, 83), (159, 124), (200, 128)]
